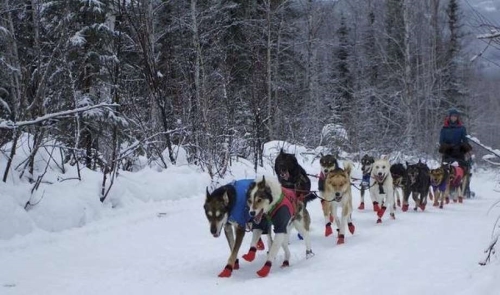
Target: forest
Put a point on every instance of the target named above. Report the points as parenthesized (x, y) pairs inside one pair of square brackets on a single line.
[(109, 81)]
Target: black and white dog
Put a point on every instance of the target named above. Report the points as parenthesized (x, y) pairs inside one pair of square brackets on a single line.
[(366, 167), (226, 207)]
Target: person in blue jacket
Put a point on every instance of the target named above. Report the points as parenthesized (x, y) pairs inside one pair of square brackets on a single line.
[(453, 142)]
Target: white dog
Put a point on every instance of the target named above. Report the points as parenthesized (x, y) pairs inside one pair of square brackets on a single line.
[(381, 188)]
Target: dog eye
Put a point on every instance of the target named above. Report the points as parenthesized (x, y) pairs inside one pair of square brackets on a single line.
[(209, 213), (259, 200), (383, 167)]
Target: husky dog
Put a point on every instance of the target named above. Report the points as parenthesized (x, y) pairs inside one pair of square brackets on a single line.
[(398, 173), (417, 184), (293, 176), (338, 194), (328, 164), (457, 181), (440, 183), (267, 198), (226, 208), (366, 168), (381, 188)]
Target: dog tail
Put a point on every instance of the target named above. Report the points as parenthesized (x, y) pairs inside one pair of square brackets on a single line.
[(310, 197)]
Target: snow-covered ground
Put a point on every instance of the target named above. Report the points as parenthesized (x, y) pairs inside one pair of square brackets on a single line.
[(131, 249)]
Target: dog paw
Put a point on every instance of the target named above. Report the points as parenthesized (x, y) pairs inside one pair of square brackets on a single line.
[(379, 220), (328, 229), (286, 263), (351, 227), (447, 200), (260, 245), (422, 207), (236, 264), (309, 254), (264, 271), (405, 207), (300, 237), (381, 211), (440, 206), (460, 199), (398, 203), (376, 207), (250, 256), (340, 240), (226, 273), (361, 206), (393, 216), (435, 204)]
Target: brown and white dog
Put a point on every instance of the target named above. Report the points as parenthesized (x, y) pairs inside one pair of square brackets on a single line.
[(382, 188), (328, 164), (338, 194), (440, 183), (268, 199)]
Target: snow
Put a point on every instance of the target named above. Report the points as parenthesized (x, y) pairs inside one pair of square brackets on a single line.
[(71, 244)]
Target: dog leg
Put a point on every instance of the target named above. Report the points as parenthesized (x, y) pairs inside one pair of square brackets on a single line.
[(300, 227), (286, 261), (256, 234), (342, 226), (415, 197), (228, 230), (391, 204), (362, 204), (279, 239), (327, 214), (232, 262), (406, 196)]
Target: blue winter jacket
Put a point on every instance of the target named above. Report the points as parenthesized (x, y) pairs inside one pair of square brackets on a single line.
[(453, 134), (240, 214)]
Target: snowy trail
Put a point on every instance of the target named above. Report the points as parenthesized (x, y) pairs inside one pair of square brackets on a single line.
[(136, 252)]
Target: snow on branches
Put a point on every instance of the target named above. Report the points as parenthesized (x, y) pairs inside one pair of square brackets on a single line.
[(8, 124)]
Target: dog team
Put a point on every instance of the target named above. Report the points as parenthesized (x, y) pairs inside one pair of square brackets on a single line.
[(280, 203)]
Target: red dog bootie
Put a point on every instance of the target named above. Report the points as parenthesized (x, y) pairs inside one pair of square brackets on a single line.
[(381, 212), (376, 207), (398, 203), (405, 207), (351, 227), (260, 245), (250, 256), (361, 206), (236, 264), (264, 271), (340, 240), (422, 207), (328, 229), (226, 273), (460, 199)]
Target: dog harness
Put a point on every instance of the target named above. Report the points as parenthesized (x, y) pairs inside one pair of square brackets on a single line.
[(365, 181), (441, 187), (239, 212), (459, 174), (283, 210)]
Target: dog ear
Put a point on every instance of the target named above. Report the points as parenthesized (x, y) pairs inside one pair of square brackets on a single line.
[(208, 194)]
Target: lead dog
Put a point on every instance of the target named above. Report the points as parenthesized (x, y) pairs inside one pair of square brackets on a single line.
[(226, 208), (381, 188), (268, 199), (338, 194)]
